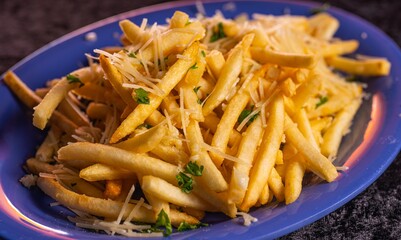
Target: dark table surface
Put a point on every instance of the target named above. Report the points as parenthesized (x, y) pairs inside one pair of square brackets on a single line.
[(374, 214)]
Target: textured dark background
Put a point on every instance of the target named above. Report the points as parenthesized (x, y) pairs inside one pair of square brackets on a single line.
[(27, 25)]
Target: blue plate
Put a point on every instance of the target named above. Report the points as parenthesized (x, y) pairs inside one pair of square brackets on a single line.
[(372, 145)]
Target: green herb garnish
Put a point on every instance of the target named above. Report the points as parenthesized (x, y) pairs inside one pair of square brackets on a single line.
[(196, 89), (73, 79), (184, 182), (244, 114), (322, 100), (323, 8), (219, 33), (145, 125), (194, 169), (184, 226), (203, 53), (188, 22), (141, 96), (164, 221), (193, 66)]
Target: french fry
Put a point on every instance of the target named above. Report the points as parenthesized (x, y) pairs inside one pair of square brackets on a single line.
[(83, 187), (179, 20), (143, 111), (302, 121), (158, 204), (266, 156), (134, 162), (294, 174), (233, 110), (100, 172), (276, 185), (97, 110), (307, 90), (228, 76), (102, 207), (71, 111), (163, 190), (211, 122), (339, 127), (133, 33), (340, 48), (217, 200), (323, 26), (215, 61), (264, 195), (211, 177), (365, 67), (49, 146), (18, 87), (314, 160), (246, 151), (46, 107), (36, 166), (170, 154), (144, 142), (295, 60)]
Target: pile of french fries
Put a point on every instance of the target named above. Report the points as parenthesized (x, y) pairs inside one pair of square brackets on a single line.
[(202, 115)]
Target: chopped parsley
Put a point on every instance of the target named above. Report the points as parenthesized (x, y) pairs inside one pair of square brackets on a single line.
[(73, 79), (194, 169), (164, 221), (188, 22), (193, 66), (141, 96), (184, 182), (244, 114), (184, 226), (146, 125), (196, 89), (322, 100), (219, 33), (323, 8), (203, 53)]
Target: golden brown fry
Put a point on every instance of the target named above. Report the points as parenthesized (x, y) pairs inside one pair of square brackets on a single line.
[(49, 146), (246, 151), (323, 26), (233, 110), (215, 61), (18, 87), (35, 166), (179, 20), (339, 127), (134, 162), (266, 55), (365, 67), (163, 190), (144, 142), (46, 107), (294, 174), (99, 172), (276, 185), (314, 160), (226, 81), (102, 207), (211, 177), (266, 156)]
